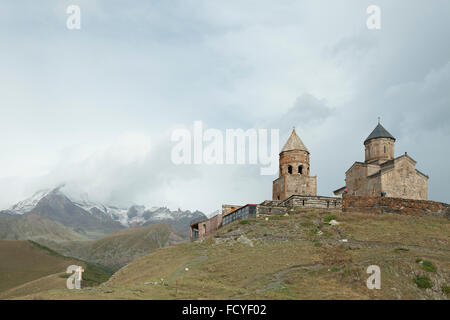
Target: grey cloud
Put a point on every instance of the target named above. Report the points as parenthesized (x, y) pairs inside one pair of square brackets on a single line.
[(422, 104), (145, 66), (306, 112)]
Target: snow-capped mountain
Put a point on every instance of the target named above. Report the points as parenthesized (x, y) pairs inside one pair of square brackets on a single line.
[(28, 204), (114, 213), (83, 213)]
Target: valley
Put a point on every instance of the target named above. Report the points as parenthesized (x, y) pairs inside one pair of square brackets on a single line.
[(99, 237)]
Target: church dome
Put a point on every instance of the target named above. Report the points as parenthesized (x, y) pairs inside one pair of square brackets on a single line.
[(379, 132)]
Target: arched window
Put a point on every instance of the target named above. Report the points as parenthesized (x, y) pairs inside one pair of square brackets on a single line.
[(384, 149), (290, 169), (300, 169)]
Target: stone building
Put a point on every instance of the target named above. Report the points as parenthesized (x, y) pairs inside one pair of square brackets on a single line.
[(203, 228), (294, 169), (382, 173), (231, 213)]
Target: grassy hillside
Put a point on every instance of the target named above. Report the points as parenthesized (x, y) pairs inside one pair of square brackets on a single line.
[(28, 267), (119, 248), (36, 227), (300, 256)]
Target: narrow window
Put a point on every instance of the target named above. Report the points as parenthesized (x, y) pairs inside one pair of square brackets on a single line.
[(290, 169), (303, 202), (384, 149), (300, 169)]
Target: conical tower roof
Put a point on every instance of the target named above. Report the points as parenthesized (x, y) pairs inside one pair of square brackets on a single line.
[(379, 132), (294, 143)]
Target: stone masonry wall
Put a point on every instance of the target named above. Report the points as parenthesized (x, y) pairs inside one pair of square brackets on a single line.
[(288, 185), (319, 202), (299, 201), (403, 181), (380, 205)]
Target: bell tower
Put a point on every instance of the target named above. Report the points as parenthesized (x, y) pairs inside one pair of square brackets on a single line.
[(294, 167)]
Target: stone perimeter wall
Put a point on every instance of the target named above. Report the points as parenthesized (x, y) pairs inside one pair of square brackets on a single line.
[(297, 201), (379, 205)]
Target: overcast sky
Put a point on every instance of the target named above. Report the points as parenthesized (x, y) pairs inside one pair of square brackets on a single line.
[(95, 108)]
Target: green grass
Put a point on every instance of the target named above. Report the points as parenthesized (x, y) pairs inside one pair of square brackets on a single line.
[(446, 289), (334, 269), (423, 282), (278, 217), (401, 249), (94, 275), (329, 217), (244, 222), (316, 243), (50, 251), (428, 266)]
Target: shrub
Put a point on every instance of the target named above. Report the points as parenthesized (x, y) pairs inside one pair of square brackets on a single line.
[(401, 249), (329, 217), (418, 260), (423, 282), (317, 243), (334, 269), (445, 289), (244, 222), (428, 266)]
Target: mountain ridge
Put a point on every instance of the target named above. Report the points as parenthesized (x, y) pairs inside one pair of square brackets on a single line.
[(85, 216)]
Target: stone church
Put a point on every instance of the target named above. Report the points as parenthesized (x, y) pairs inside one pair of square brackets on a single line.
[(294, 178), (382, 173)]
